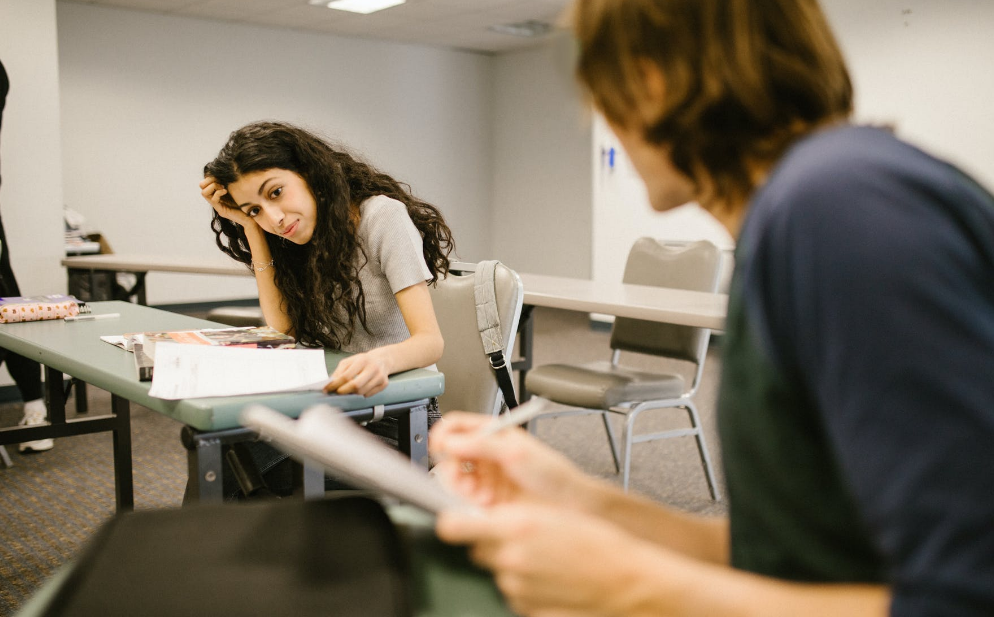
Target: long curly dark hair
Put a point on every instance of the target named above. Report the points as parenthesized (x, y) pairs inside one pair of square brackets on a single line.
[(319, 280)]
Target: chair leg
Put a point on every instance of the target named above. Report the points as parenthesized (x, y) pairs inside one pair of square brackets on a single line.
[(612, 441), (531, 425), (702, 448), (5, 457), (627, 453)]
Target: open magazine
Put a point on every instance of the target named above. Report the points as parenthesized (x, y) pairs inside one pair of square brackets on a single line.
[(327, 437), (250, 336), (143, 344)]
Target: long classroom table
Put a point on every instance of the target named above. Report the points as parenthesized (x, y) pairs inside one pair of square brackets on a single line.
[(75, 349), (675, 306)]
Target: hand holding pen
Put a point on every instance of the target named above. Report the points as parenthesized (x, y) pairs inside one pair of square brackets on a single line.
[(519, 416), (484, 461)]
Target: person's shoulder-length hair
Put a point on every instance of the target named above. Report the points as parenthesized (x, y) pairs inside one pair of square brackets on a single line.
[(742, 79)]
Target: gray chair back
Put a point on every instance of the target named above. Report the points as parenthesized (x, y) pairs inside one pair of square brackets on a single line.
[(470, 384), (693, 266)]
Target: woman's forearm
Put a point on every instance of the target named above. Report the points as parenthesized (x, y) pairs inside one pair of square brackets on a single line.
[(424, 346), (418, 351), (270, 298)]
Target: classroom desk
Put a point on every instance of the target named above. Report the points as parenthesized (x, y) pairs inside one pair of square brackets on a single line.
[(75, 349), (140, 265), (443, 581), (676, 306)]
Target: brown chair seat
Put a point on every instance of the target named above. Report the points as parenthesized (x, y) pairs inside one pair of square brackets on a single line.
[(600, 385)]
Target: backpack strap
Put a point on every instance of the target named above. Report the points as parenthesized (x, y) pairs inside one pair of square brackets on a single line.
[(488, 323)]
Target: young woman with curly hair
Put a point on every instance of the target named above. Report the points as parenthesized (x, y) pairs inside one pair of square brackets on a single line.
[(342, 253)]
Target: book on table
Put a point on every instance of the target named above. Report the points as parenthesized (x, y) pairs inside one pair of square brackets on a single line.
[(143, 344), (249, 336)]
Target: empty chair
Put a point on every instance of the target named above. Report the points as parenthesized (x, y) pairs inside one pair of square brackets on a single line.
[(470, 384), (610, 387)]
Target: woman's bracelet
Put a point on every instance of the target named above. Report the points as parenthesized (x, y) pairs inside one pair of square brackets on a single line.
[(263, 267)]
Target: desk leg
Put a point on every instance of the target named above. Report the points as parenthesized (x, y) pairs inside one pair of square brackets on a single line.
[(123, 477), (308, 480), (526, 340), (204, 468), (81, 404), (413, 435), (55, 399), (139, 289)]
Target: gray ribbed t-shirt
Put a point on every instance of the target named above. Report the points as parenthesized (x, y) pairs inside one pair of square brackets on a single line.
[(395, 261)]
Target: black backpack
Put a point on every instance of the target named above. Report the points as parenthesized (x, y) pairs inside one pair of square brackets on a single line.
[(339, 556)]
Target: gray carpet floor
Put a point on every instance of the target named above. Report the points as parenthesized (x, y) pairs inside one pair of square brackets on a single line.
[(51, 502)]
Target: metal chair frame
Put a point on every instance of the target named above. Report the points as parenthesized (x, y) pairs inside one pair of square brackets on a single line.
[(621, 450)]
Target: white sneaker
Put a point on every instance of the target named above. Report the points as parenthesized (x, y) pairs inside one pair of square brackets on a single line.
[(35, 414)]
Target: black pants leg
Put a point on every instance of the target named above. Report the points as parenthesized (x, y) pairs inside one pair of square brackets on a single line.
[(26, 373)]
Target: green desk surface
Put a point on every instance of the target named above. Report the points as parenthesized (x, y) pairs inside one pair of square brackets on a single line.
[(444, 582), (75, 349)]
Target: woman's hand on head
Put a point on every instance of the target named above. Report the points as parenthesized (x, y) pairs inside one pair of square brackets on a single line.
[(505, 467), (215, 195), (364, 374)]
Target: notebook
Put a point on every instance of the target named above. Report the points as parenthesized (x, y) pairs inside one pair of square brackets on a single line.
[(327, 437)]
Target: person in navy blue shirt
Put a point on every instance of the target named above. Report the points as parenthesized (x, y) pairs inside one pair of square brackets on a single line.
[(856, 408)]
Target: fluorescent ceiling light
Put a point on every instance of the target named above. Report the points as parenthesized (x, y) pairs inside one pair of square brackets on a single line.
[(358, 6), (530, 28)]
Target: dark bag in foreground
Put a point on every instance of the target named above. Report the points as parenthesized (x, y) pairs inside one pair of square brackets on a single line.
[(332, 557)]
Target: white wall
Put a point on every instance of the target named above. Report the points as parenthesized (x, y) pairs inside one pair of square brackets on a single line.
[(147, 99), (31, 193), (541, 172), (925, 67), (621, 211), (926, 71)]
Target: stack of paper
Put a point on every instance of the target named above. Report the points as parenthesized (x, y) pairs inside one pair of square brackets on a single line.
[(193, 371)]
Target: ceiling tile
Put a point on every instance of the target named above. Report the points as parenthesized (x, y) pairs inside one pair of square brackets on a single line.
[(462, 24)]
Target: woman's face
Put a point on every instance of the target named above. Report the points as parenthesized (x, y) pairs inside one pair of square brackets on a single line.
[(279, 201)]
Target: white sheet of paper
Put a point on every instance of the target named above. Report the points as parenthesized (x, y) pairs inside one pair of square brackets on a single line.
[(116, 341), (195, 371), (329, 438)]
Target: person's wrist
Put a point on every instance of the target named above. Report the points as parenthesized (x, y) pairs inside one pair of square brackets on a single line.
[(382, 358), (651, 583), (592, 496), (253, 232)]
